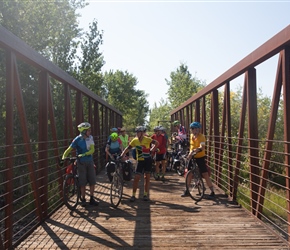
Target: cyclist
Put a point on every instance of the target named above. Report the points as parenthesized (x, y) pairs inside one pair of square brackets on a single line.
[(197, 145), (180, 130), (144, 160), (85, 147), (114, 146), (161, 152), (181, 137), (124, 138)]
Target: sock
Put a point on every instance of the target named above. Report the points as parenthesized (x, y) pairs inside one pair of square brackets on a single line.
[(145, 193), (134, 193), (92, 197), (211, 188)]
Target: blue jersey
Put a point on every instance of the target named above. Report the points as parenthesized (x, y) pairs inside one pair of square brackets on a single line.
[(82, 145)]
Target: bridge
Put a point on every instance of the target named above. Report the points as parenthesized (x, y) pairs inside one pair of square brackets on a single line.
[(250, 171)]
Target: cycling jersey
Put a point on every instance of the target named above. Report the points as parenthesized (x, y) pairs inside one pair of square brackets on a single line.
[(142, 148), (196, 142), (82, 146), (182, 132), (162, 143)]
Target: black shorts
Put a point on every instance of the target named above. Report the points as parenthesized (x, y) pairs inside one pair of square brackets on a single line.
[(144, 166), (160, 157), (201, 164)]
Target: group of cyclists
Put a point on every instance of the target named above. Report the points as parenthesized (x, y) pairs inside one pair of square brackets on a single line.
[(118, 144)]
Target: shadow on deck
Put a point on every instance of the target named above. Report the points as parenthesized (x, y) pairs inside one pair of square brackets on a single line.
[(167, 221)]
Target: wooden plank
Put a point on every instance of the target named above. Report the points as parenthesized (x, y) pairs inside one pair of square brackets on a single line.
[(167, 221)]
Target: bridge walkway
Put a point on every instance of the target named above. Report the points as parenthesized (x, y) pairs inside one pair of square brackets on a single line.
[(167, 221)]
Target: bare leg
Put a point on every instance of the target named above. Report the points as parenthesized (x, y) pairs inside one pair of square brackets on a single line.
[(157, 164), (92, 190), (136, 182), (163, 167), (207, 179), (146, 182)]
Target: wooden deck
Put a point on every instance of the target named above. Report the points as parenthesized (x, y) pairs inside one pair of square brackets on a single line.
[(167, 221)]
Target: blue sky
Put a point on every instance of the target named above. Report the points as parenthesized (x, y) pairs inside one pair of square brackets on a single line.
[(150, 39)]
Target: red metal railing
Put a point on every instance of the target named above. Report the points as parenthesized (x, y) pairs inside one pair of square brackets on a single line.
[(251, 168), (42, 106)]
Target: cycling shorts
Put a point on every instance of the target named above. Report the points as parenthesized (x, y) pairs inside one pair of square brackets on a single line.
[(201, 164), (144, 166), (87, 173), (160, 157)]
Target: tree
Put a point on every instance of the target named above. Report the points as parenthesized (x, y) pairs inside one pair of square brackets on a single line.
[(121, 92), (182, 86), (87, 69), (49, 27), (159, 115)]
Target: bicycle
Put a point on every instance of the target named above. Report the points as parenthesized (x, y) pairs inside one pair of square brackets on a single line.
[(194, 182), (116, 190), (71, 188)]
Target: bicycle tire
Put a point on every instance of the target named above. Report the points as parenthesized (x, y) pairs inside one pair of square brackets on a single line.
[(195, 187), (116, 190), (181, 168), (71, 192), (169, 162)]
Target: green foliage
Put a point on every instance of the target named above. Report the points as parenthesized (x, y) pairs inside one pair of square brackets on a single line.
[(159, 115), (121, 92), (50, 27), (182, 86), (87, 69)]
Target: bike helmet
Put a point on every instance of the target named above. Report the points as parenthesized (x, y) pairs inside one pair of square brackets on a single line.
[(114, 136), (195, 125), (157, 128), (140, 129), (114, 129), (83, 127), (175, 123)]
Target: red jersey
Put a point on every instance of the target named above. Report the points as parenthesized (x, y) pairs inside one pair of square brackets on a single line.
[(162, 143)]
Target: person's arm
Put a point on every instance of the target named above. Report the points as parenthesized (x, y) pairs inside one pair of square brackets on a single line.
[(108, 152), (66, 152), (125, 151), (91, 151), (155, 145)]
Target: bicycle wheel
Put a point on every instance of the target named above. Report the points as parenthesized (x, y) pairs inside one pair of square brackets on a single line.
[(181, 168), (194, 185), (116, 191), (169, 160), (71, 192)]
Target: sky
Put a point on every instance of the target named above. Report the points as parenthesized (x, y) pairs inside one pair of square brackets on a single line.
[(150, 39)]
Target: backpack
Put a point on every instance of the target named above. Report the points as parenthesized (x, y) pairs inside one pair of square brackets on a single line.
[(127, 170), (110, 169)]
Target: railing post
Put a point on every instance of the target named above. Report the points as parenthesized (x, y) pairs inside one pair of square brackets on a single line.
[(253, 135), (42, 144), (286, 99)]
